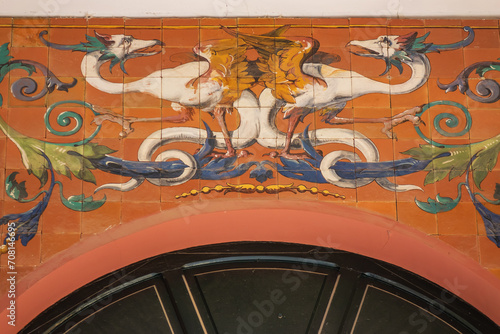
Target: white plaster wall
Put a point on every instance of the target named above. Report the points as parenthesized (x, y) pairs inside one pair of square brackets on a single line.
[(242, 8)]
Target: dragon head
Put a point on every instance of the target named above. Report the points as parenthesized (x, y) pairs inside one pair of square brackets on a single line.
[(116, 48), (397, 49)]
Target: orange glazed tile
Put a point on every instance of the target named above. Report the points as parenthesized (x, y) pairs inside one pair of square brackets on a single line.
[(174, 56), (408, 129), (102, 99), (495, 272), (183, 22), (386, 209), (7, 21), (214, 194), (57, 213), (26, 37), (13, 156), (55, 243), (105, 21), (298, 26), (150, 23), (489, 253), (3, 144), (408, 213), (486, 38), (474, 55), (329, 22), (34, 128), (31, 22), (320, 121), (232, 121), (437, 94), (66, 63), (133, 210), (6, 36), (365, 123), (331, 37), (210, 29), (181, 32), (28, 255), (40, 54), (459, 221), (3, 273), (446, 63), (21, 272), (368, 21), (449, 188), (465, 244), (266, 22), (385, 147), (143, 66), (377, 100), (415, 179), (68, 22), (108, 130), (485, 124), (348, 196), (100, 220), (144, 129), (296, 195), (76, 92), (405, 22), (398, 30), (170, 118), (480, 23), (169, 193), (442, 23), (181, 37), (374, 192), (340, 56)]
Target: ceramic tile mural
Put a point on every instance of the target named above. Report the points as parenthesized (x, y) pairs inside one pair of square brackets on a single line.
[(105, 121)]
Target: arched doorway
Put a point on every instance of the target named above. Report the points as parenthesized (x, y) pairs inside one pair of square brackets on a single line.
[(260, 227)]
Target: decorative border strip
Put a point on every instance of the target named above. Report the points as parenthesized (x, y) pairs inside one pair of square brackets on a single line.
[(248, 188)]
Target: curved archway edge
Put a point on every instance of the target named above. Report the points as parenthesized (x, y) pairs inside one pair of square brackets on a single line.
[(212, 222)]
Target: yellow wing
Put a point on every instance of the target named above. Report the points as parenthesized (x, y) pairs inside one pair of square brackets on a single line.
[(229, 65), (280, 61)]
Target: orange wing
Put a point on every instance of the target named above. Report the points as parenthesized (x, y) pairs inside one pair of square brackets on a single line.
[(228, 62), (281, 61), (229, 65)]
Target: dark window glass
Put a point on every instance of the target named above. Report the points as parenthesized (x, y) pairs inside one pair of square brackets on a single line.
[(261, 300), (139, 312), (384, 312)]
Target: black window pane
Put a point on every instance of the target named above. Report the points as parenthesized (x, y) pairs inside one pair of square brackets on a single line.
[(384, 312), (139, 312), (261, 300)]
